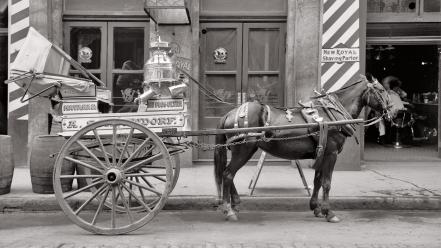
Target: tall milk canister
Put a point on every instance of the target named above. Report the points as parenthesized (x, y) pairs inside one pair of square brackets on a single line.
[(6, 164), (42, 164)]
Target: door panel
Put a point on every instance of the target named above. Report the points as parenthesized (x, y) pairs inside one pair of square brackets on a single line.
[(221, 73), (263, 65)]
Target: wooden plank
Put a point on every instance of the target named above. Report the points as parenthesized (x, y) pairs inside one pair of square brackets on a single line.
[(256, 175)]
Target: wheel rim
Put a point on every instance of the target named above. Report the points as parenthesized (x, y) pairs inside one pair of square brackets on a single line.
[(120, 168)]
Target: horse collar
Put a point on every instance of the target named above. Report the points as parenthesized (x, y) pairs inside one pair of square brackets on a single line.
[(289, 115)]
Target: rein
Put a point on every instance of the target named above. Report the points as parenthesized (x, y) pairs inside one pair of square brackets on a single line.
[(374, 120)]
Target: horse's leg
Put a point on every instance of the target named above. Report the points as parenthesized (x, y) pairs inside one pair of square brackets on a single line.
[(240, 154), (235, 199), (328, 168), (314, 203)]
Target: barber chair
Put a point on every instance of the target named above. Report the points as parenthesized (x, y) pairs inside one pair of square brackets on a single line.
[(399, 125)]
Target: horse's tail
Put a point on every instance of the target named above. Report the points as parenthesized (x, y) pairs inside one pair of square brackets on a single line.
[(220, 158)]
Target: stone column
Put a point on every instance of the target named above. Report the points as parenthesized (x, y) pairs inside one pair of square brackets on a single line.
[(45, 16)]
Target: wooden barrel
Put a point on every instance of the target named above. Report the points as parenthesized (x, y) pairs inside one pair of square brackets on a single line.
[(6, 164), (42, 165)]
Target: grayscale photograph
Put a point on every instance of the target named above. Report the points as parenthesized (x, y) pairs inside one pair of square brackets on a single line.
[(220, 123)]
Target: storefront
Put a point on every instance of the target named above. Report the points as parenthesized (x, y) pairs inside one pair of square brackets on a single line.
[(241, 50), (404, 41)]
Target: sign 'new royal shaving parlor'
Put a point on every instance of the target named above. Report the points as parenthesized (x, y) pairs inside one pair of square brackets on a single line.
[(340, 55)]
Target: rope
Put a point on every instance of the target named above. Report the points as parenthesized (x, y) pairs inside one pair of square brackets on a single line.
[(204, 89)]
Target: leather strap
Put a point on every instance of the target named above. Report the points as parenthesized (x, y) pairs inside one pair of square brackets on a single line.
[(242, 109), (268, 119), (321, 146)]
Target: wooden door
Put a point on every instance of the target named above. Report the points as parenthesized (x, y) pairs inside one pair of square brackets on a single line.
[(239, 62)]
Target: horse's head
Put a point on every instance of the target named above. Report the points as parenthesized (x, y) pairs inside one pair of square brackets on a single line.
[(377, 97)]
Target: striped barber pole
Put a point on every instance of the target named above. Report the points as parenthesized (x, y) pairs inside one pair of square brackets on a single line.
[(340, 43), (18, 29)]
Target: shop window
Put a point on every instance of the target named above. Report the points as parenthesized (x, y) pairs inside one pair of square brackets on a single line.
[(432, 6), (392, 6), (404, 10), (115, 52)]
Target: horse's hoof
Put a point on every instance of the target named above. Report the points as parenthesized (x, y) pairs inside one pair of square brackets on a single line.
[(232, 217), (236, 209), (333, 219), (318, 213)]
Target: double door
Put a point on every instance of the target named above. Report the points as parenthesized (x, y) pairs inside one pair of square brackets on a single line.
[(115, 52), (239, 62)]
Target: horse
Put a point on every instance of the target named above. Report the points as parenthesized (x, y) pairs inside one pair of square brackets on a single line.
[(365, 92)]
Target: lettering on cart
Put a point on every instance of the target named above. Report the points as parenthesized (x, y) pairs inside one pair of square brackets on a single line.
[(79, 107), (165, 104), (72, 125)]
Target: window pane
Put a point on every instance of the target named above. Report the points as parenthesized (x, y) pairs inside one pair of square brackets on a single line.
[(126, 87), (224, 87), (266, 89), (391, 6), (85, 46), (432, 5), (4, 17), (128, 48), (263, 46), (221, 45)]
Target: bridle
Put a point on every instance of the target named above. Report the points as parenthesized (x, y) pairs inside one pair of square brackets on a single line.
[(372, 89)]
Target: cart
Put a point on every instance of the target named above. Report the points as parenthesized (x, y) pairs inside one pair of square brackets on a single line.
[(127, 163)]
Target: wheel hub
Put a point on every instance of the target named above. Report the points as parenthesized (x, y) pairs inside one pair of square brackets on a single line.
[(114, 176)]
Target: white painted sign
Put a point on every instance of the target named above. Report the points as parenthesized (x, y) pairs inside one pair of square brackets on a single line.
[(79, 107), (340, 55), (165, 104), (70, 123)]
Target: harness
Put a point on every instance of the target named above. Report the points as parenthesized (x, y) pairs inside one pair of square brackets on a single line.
[(242, 113), (334, 111), (321, 108)]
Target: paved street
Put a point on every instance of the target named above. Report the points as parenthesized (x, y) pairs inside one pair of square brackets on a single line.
[(200, 229)]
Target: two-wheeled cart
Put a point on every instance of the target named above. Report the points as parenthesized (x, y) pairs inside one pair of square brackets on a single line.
[(129, 170)]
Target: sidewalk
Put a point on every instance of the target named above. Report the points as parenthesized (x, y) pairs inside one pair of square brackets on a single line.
[(379, 185)]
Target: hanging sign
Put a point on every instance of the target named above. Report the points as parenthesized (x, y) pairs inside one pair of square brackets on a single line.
[(220, 55), (340, 55)]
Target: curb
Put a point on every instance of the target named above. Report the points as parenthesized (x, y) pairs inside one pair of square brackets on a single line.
[(178, 203)]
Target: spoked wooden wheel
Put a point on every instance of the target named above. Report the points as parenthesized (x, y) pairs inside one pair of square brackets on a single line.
[(128, 175)]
